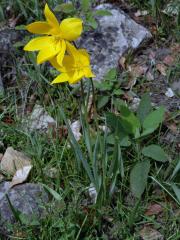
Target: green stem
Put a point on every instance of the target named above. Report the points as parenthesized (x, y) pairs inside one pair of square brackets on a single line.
[(94, 97), (82, 93), (94, 105)]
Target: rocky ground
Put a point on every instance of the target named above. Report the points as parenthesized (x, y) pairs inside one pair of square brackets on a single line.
[(144, 63)]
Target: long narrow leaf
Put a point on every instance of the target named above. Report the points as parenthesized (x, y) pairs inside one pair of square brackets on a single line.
[(176, 191), (94, 163), (176, 170), (56, 195), (164, 188), (121, 160), (86, 134), (77, 150)]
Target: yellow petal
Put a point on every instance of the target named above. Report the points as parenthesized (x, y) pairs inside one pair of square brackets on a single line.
[(88, 73), (55, 64), (85, 57), (60, 56), (46, 54), (39, 27), (38, 43), (78, 55), (63, 77), (68, 63), (50, 17), (71, 28), (71, 49), (77, 76)]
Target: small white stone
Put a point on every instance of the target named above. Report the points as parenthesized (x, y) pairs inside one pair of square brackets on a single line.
[(149, 76), (92, 193), (141, 13), (104, 128), (135, 103), (169, 93), (39, 120), (76, 127), (13, 160)]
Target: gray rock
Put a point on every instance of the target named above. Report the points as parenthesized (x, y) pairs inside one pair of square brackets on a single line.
[(38, 120), (94, 2), (115, 35), (13, 161), (27, 198), (176, 86), (8, 38)]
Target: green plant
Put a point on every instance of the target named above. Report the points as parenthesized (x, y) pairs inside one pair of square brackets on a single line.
[(29, 10), (84, 10), (109, 89), (103, 161), (101, 167)]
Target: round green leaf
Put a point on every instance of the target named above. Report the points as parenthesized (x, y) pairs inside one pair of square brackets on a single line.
[(155, 152), (138, 178)]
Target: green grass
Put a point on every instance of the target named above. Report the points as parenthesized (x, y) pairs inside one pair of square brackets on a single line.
[(69, 218), (117, 213)]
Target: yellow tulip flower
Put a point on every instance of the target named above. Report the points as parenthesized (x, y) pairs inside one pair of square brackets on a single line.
[(74, 67), (54, 44)]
